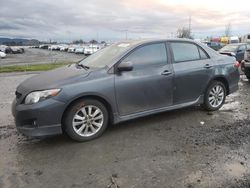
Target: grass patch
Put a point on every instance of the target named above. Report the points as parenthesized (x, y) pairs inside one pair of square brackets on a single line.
[(34, 67)]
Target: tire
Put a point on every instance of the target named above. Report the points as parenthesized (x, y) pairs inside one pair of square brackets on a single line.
[(214, 100), (248, 77), (83, 117)]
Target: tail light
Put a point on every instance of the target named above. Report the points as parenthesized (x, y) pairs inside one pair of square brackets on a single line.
[(236, 64)]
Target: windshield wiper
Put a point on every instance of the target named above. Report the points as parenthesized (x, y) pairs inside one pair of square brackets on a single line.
[(82, 66)]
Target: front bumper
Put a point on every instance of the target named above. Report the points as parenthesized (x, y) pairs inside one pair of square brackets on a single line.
[(40, 119)]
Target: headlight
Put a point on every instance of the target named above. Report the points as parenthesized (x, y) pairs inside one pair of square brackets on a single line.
[(36, 96)]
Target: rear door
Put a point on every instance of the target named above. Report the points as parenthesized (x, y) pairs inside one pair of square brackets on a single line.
[(149, 85), (193, 69)]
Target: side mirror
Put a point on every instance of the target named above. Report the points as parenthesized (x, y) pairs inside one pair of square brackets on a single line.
[(125, 66)]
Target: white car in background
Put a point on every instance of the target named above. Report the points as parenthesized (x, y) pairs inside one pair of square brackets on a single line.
[(3, 48), (91, 49), (79, 50), (2, 54), (64, 47), (54, 47), (72, 48)]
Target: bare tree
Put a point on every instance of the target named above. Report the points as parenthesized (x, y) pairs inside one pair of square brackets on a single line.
[(228, 30), (184, 33)]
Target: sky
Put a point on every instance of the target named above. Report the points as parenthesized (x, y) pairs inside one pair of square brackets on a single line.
[(111, 20)]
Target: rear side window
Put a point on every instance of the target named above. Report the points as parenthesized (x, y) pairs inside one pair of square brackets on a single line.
[(148, 56), (187, 52)]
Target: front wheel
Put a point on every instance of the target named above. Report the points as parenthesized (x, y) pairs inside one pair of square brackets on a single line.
[(85, 120), (215, 96)]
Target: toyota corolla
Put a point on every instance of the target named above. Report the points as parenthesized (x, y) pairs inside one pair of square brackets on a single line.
[(121, 82)]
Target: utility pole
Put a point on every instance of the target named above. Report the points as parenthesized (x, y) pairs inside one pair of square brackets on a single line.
[(189, 24), (97, 35), (126, 33)]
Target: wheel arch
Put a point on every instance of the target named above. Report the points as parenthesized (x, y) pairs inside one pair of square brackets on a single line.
[(222, 79), (90, 96)]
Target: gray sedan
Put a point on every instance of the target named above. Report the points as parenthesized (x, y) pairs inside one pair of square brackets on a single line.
[(123, 81)]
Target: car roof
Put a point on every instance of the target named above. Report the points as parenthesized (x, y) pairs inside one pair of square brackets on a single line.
[(145, 41)]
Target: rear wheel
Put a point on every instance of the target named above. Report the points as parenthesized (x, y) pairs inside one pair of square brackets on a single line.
[(215, 96), (85, 120)]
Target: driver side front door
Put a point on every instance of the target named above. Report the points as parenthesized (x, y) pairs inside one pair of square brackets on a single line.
[(149, 85)]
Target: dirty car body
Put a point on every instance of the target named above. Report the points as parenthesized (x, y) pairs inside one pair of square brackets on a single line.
[(131, 79)]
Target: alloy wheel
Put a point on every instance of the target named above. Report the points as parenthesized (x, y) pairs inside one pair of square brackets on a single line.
[(88, 121), (216, 96)]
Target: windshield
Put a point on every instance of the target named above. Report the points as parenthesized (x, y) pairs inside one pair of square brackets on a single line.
[(229, 48), (105, 56)]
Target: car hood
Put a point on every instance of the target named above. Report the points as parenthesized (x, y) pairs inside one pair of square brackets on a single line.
[(53, 79)]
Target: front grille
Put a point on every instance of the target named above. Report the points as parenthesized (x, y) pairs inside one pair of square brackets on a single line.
[(18, 95)]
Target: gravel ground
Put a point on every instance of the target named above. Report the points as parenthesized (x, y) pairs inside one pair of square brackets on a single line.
[(37, 56), (183, 148)]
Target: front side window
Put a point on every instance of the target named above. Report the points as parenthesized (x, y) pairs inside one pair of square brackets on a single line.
[(185, 52), (148, 56)]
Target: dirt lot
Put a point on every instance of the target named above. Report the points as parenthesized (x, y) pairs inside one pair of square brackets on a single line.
[(183, 148), (36, 56)]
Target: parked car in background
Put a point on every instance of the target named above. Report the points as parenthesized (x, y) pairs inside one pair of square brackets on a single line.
[(54, 47), (246, 38), (64, 47), (234, 39), (5, 49), (17, 50), (2, 54), (72, 48), (245, 64), (237, 50), (91, 49), (121, 82), (79, 50), (215, 45), (44, 46)]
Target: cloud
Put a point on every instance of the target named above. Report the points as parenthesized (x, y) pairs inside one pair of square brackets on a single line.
[(109, 20)]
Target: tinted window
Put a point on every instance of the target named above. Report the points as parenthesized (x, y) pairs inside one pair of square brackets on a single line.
[(203, 55), (242, 48), (148, 56), (185, 52)]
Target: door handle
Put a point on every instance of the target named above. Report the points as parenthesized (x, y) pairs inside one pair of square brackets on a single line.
[(208, 66), (166, 72)]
